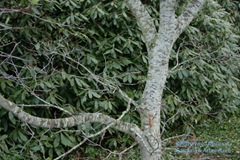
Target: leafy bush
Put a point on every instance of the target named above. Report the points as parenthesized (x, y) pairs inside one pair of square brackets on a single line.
[(49, 47)]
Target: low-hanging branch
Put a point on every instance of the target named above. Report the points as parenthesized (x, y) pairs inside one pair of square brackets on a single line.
[(128, 128), (69, 121)]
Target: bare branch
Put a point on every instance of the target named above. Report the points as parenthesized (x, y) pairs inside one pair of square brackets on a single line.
[(72, 149), (47, 103), (10, 10), (105, 82), (144, 20), (96, 134), (52, 21), (188, 14), (128, 128)]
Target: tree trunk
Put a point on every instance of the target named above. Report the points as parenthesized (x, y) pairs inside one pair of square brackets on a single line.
[(146, 155), (151, 103)]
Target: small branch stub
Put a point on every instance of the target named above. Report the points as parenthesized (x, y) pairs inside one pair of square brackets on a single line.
[(150, 118)]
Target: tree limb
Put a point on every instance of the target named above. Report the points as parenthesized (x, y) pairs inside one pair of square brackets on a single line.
[(188, 14), (69, 121), (168, 19), (167, 8), (10, 10), (145, 21)]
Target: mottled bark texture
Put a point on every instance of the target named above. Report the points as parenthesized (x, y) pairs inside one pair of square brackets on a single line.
[(159, 42), (74, 120)]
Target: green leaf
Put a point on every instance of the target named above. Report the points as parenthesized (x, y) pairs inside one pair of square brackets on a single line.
[(36, 148), (22, 136), (56, 141), (96, 95), (90, 94), (109, 105), (96, 105), (3, 137), (129, 78), (100, 11), (35, 10), (185, 72), (180, 76), (64, 75), (78, 81), (37, 46), (83, 17), (34, 2), (49, 85), (3, 86), (12, 118), (71, 80), (65, 141)]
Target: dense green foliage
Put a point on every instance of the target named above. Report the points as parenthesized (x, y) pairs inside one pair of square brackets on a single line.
[(55, 41), (206, 55), (49, 48)]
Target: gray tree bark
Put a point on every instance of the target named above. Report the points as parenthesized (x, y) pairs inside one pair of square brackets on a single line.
[(159, 42)]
